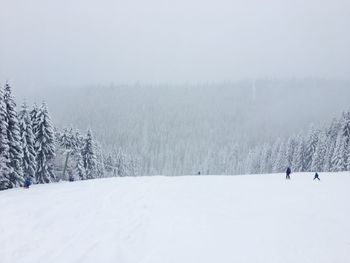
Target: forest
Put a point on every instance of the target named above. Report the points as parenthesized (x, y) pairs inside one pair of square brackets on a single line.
[(146, 135), (32, 148)]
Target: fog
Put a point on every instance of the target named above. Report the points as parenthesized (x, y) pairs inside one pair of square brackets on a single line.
[(91, 89), (177, 129), (181, 85), (53, 44)]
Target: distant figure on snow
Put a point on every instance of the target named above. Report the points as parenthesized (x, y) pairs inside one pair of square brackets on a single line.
[(199, 173), (27, 183), (316, 177), (288, 172)]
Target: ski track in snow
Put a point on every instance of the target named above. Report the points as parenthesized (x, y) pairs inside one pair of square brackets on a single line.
[(253, 218)]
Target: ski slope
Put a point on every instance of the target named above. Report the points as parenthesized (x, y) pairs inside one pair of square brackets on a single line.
[(191, 219)]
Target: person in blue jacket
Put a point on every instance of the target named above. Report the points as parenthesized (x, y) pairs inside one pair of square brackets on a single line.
[(317, 177), (288, 172), (27, 182)]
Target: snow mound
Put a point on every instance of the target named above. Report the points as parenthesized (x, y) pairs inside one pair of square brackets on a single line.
[(254, 218)]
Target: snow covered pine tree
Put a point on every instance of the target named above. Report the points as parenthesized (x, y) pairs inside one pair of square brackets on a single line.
[(27, 142), (45, 145), (89, 156), (14, 139), (4, 145)]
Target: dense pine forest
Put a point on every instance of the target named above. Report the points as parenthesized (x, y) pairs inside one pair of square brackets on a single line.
[(324, 149), (184, 128), (32, 146)]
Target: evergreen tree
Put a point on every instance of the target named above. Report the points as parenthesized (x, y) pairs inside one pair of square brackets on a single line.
[(5, 169), (338, 159), (45, 144), (318, 159), (79, 140), (79, 164), (310, 149), (265, 163), (68, 144), (89, 156), (290, 149), (330, 144), (14, 139), (27, 141), (100, 167), (34, 118), (121, 163), (281, 161), (134, 166), (109, 163), (253, 161), (79, 167), (67, 140), (275, 154), (298, 158), (332, 134), (345, 124), (347, 157)]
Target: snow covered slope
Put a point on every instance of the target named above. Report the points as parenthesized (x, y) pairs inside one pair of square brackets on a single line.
[(192, 219)]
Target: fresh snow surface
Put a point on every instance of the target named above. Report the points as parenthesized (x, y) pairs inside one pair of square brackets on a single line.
[(253, 218)]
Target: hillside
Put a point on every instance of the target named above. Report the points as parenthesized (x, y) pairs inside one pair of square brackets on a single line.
[(250, 218), (180, 129)]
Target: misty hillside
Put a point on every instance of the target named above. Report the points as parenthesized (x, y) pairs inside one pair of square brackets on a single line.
[(185, 131), (211, 109), (181, 121)]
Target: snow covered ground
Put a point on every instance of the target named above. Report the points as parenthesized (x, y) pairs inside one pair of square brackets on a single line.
[(192, 219)]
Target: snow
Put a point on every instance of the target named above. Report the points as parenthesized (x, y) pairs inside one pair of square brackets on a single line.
[(253, 218)]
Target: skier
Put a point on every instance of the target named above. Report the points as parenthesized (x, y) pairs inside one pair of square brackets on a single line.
[(316, 177), (27, 183), (199, 173), (288, 172)]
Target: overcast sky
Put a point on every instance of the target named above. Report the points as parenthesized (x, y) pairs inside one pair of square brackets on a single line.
[(63, 43)]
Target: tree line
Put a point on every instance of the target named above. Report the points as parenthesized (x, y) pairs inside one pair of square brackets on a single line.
[(82, 157), (324, 149), (32, 148), (208, 127)]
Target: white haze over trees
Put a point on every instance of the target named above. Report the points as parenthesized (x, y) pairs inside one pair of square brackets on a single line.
[(183, 129), (91, 89), (176, 130), (138, 88)]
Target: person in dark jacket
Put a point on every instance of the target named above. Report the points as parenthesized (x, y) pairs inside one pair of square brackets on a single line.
[(27, 183), (288, 172), (316, 177)]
